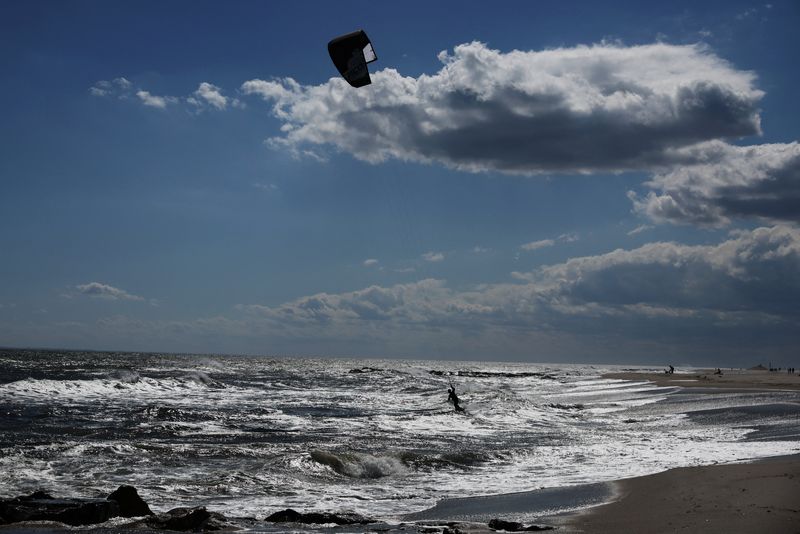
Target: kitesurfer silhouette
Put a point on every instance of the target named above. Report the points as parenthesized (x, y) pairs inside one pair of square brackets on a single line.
[(452, 397)]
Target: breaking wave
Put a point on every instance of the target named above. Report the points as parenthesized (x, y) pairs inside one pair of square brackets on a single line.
[(359, 465)]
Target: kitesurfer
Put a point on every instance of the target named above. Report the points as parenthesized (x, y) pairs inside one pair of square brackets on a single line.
[(452, 397)]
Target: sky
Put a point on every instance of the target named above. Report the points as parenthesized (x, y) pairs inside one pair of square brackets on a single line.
[(607, 182)]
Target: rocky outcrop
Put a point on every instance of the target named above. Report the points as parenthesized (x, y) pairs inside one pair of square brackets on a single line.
[(293, 516), (41, 506), (513, 526), (130, 504), (188, 520)]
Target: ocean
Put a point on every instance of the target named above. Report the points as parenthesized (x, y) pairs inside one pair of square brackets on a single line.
[(248, 436)]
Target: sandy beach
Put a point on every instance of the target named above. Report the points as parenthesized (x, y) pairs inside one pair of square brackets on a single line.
[(763, 496), (754, 497), (733, 379)]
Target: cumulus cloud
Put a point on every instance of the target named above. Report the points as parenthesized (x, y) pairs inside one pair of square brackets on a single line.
[(761, 181), (750, 277), (738, 296), (582, 109), (154, 101), (209, 95), (371, 262), (105, 291)]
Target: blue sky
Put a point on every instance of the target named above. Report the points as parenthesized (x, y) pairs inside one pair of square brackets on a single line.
[(540, 181)]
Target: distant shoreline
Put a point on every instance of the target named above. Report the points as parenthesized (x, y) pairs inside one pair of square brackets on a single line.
[(735, 379)]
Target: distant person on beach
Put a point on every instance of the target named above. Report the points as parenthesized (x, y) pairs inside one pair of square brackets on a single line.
[(452, 397), (671, 370)]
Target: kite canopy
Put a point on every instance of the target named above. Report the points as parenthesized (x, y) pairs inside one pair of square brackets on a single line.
[(351, 53)]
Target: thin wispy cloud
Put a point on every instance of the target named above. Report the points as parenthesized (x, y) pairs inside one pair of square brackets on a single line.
[(433, 257), (269, 187), (544, 243), (641, 228), (118, 87), (536, 245), (105, 291), (206, 96)]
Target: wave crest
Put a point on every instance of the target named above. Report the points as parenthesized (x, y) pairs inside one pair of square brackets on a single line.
[(358, 465)]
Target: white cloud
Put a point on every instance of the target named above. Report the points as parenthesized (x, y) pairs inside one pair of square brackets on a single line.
[(105, 291), (568, 238), (641, 228), (582, 109), (536, 245), (737, 298), (153, 100), (543, 243), (761, 181), (433, 257), (371, 262), (210, 95), (752, 273), (119, 87)]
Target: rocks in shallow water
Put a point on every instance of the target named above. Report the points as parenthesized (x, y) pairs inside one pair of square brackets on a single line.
[(130, 504), (41, 506), (491, 374), (513, 526), (293, 516), (365, 370), (188, 519)]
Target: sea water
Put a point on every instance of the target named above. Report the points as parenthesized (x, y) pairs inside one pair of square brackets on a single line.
[(248, 436)]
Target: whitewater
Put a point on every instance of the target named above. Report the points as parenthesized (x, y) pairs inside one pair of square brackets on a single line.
[(247, 436)]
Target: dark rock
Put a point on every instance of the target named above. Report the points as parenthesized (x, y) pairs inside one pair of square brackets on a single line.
[(188, 519), (41, 506), (491, 374), (365, 370), (559, 406), (293, 516), (130, 504), (38, 494), (513, 526), (439, 528)]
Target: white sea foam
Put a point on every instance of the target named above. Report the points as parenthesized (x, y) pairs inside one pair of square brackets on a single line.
[(247, 436)]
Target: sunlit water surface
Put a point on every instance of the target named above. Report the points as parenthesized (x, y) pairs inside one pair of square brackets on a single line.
[(248, 436)]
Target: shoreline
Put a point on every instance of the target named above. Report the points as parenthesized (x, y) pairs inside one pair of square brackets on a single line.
[(760, 496), (730, 379)]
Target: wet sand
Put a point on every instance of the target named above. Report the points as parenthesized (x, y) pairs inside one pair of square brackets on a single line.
[(733, 379), (756, 497)]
